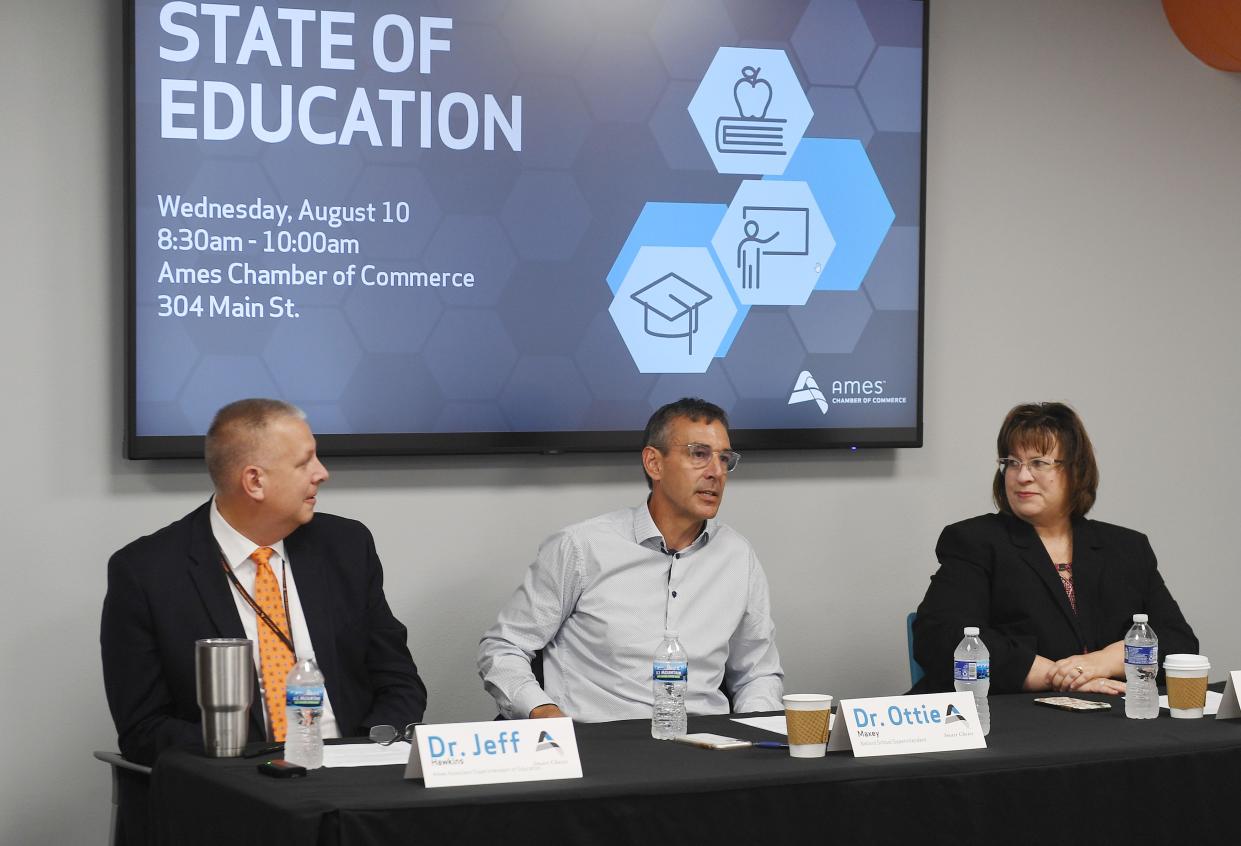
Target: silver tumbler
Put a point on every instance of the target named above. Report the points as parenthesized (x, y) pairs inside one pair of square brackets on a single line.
[(224, 669)]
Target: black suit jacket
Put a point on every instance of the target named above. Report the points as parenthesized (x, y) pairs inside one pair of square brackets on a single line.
[(169, 589), (994, 573)]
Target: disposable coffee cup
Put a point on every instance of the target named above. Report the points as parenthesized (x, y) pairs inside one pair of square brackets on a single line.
[(808, 716), (224, 673), (1187, 684)]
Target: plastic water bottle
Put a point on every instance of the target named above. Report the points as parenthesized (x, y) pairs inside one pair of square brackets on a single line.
[(669, 676), (304, 695), (971, 670), (1141, 665)]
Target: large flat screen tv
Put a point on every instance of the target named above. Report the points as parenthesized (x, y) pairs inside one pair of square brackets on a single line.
[(489, 226)]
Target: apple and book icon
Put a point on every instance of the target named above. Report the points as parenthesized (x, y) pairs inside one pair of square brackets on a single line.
[(750, 131)]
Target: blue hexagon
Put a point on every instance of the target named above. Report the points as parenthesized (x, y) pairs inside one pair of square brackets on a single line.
[(833, 42), (839, 113), (889, 283), (750, 110), (158, 377), (391, 393), (765, 355), (306, 369), (601, 347), (853, 203), (470, 354), (545, 215), (673, 309), (713, 386), (545, 393), (459, 236), (555, 121), (673, 225), (687, 32), (892, 89), (832, 321), (621, 76), (392, 320), (773, 242), (674, 132), (207, 389), (666, 225)]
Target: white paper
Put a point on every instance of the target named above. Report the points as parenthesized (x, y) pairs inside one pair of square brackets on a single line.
[(775, 725), (1213, 700), (365, 754)]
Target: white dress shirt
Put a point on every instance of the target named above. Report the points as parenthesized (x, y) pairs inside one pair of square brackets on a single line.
[(237, 549), (597, 600)]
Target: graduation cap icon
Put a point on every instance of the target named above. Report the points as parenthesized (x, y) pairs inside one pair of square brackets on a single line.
[(670, 308)]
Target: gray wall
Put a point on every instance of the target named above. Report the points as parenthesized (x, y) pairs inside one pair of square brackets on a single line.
[(1084, 188)]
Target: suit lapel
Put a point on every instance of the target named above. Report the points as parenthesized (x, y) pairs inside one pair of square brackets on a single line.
[(1035, 556), (209, 578), (1088, 565), (310, 574)]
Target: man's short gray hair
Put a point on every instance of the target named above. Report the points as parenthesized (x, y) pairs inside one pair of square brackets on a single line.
[(234, 435)]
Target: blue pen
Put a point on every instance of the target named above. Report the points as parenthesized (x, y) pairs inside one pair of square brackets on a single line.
[(770, 744)]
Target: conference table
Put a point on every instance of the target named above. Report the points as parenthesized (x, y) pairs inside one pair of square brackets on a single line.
[(1046, 776)]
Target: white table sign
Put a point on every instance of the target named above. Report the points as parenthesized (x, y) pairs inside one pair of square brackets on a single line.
[(494, 752), (903, 725), (1229, 706)]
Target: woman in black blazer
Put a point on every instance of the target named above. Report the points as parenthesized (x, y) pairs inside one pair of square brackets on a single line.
[(1052, 592)]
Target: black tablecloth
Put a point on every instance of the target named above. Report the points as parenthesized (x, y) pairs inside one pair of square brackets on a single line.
[(1047, 776)]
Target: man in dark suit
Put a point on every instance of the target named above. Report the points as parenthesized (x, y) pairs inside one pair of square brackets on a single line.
[(195, 579)]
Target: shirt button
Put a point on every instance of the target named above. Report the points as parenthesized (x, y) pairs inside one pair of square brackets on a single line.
[(678, 555), (674, 594)]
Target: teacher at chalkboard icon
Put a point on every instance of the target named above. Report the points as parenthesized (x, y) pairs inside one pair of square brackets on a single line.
[(670, 308), (750, 255)]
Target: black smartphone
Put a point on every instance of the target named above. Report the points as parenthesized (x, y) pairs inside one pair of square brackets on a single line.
[(280, 768)]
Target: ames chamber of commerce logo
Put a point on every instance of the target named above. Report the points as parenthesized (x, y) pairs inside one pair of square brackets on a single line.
[(806, 389), (842, 392)]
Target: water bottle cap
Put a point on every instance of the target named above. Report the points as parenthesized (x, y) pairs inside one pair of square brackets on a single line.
[(971, 631), (1140, 618), (670, 634)]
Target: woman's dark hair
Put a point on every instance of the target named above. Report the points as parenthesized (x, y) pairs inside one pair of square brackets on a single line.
[(1041, 427)]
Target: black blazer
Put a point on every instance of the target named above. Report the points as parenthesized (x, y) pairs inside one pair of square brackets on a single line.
[(994, 573), (169, 589)]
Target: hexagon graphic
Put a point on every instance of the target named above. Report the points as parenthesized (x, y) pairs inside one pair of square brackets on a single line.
[(673, 309), (750, 110), (853, 203), (773, 242), (674, 225)]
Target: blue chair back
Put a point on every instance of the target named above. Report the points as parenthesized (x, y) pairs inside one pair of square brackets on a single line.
[(915, 669)]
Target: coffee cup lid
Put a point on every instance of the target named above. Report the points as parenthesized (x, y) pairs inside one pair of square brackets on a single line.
[(1182, 661)]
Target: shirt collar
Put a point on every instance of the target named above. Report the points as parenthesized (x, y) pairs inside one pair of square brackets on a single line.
[(646, 533), (236, 546)]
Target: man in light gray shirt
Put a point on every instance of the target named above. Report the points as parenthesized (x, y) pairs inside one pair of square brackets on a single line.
[(601, 593)]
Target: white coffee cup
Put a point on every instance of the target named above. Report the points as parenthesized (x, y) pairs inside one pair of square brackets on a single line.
[(1187, 684), (808, 717)]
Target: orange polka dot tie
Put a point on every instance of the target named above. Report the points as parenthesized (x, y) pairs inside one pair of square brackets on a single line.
[(275, 658)]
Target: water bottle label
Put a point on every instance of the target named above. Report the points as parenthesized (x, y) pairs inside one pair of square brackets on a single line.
[(971, 670), (1141, 655), (304, 697), (670, 671)]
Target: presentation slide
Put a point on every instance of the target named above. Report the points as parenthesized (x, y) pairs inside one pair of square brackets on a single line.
[(485, 225)]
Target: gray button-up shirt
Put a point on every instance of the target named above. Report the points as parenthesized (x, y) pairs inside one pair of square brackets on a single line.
[(597, 601)]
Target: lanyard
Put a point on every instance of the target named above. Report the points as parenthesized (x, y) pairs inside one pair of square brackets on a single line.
[(286, 639)]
